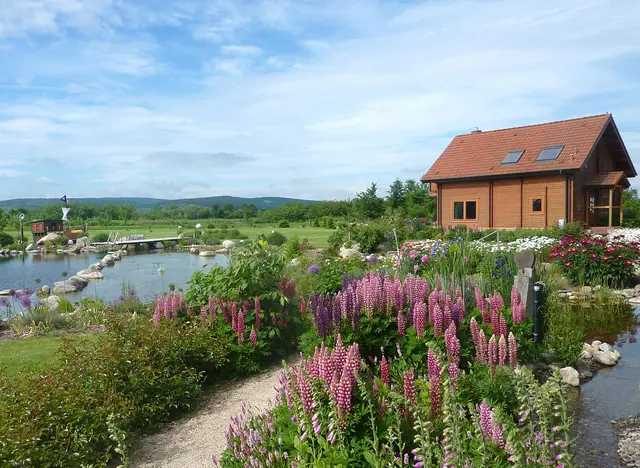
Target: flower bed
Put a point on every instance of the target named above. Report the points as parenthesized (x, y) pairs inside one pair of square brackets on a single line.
[(591, 259), (537, 244)]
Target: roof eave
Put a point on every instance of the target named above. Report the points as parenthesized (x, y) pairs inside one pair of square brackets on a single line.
[(513, 175), (624, 148)]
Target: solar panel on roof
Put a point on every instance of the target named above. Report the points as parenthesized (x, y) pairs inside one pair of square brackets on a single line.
[(549, 154), (512, 157)]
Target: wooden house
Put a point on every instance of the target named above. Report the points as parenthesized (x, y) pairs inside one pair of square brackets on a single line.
[(42, 227), (534, 176)]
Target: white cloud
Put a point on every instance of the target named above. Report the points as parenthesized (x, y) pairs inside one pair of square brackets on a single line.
[(44, 180)]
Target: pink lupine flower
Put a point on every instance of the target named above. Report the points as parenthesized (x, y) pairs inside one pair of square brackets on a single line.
[(502, 325), (496, 432), (410, 386), (401, 325), (493, 355), (475, 330), (167, 307), (481, 304), (502, 351), (306, 394), (234, 317), (515, 296), (384, 371), (446, 315), (424, 259), (453, 352), (437, 321), (212, 307), (253, 336), (434, 383), (204, 312), (495, 322), (420, 318), (240, 327), (175, 304), (258, 309), (513, 351), (158, 312), (486, 416), (481, 347)]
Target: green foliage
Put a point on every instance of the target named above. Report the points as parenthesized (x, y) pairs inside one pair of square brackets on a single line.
[(332, 272), (283, 223), (106, 394), (367, 204), (100, 237), (564, 332), (276, 238), (294, 247), (369, 237), (5, 239)]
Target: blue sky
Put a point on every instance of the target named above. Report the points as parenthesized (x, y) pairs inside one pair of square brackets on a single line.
[(311, 99)]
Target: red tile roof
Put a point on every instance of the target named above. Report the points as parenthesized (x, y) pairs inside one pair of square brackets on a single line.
[(477, 155), (608, 179)]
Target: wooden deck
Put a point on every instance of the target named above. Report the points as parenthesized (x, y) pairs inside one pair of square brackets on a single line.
[(141, 241)]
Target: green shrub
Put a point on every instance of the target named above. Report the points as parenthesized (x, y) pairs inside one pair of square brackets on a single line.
[(369, 237), (564, 331), (100, 237), (283, 223), (105, 395), (332, 272), (275, 238), (335, 241), (294, 247), (6, 239)]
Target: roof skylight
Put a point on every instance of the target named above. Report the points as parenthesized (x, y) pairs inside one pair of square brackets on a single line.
[(550, 154), (512, 157)]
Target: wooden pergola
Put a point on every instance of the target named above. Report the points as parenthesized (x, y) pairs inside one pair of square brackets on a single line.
[(612, 181)]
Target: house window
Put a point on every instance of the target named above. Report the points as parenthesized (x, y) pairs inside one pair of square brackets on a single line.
[(536, 205), (465, 210)]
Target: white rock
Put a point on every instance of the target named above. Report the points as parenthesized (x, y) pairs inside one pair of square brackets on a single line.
[(62, 287), (158, 246), (570, 376), (222, 251), (586, 354), (90, 274), (207, 253), (295, 262), (193, 250), (108, 260), (596, 343), (52, 303), (32, 248), (228, 244), (51, 237), (616, 354), (348, 253), (44, 291), (7, 292), (604, 347), (605, 357)]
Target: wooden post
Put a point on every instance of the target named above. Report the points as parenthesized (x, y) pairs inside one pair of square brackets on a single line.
[(611, 207), (621, 202)]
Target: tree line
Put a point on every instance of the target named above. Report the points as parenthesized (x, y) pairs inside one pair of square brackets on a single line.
[(409, 199)]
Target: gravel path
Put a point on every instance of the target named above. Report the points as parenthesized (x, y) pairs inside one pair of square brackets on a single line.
[(191, 441)]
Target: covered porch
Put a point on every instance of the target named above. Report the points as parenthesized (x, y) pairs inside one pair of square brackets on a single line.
[(604, 193)]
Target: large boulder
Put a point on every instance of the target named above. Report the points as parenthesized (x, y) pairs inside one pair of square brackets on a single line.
[(51, 303), (79, 282), (228, 244), (89, 248), (117, 255), (75, 248), (570, 376), (44, 291), (32, 248), (222, 251), (51, 237), (95, 267), (108, 260), (90, 274), (606, 358), (158, 246), (63, 287), (349, 252)]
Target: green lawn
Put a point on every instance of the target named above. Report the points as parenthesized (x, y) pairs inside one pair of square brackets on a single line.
[(32, 355), (154, 230)]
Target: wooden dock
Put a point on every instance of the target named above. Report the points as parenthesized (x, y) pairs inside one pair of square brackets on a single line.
[(140, 241)]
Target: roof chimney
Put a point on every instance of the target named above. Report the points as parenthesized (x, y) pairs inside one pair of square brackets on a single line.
[(476, 130)]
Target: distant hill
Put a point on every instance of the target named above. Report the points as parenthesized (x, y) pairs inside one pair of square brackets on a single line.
[(144, 204)]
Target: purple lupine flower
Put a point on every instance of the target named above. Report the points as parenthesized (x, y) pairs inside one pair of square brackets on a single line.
[(409, 386), (253, 336), (420, 318), (212, 307), (502, 351), (304, 389), (513, 351), (401, 325)]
